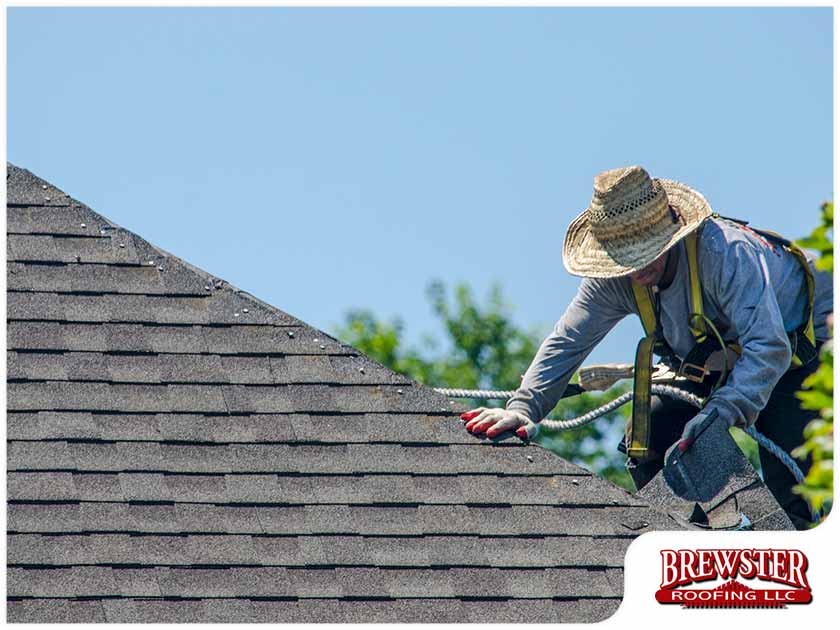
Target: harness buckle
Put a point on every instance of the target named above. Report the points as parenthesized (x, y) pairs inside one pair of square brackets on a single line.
[(693, 372)]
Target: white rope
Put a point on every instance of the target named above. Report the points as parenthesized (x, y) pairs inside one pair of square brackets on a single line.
[(662, 390), (487, 394)]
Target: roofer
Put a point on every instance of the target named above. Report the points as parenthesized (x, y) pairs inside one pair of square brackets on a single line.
[(697, 280)]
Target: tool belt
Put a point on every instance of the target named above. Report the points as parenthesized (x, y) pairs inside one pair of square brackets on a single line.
[(706, 336)]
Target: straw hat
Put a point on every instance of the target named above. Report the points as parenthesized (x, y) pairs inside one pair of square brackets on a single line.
[(631, 220)]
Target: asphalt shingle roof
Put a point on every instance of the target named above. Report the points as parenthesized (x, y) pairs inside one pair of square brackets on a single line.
[(181, 451)]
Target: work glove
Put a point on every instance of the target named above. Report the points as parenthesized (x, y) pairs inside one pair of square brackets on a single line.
[(493, 422), (693, 427)]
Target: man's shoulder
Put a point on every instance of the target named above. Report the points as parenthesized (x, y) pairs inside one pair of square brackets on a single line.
[(605, 284), (615, 291), (720, 235)]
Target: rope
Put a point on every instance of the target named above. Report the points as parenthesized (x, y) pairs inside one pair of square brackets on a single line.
[(487, 394), (780, 454), (662, 390)]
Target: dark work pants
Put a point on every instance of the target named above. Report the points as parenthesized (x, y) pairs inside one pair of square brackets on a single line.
[(782, 420)]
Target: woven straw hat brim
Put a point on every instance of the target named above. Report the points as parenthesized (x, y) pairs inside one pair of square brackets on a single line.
[(584, 255)]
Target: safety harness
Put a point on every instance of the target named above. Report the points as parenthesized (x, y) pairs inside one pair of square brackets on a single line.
[(706, 337)]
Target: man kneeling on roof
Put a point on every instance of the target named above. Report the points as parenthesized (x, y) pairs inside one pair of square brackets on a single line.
[(698, 281)]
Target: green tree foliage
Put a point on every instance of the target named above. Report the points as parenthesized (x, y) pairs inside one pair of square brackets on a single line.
[(818, 394), (483, 348)]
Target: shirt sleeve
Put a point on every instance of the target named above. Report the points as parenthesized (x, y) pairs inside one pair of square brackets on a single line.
[(739, 282), (595, 309)]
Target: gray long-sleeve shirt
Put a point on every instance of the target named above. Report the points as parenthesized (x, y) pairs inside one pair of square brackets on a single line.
[(753, 291)]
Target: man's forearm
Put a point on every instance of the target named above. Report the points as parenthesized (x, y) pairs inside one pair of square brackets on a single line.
[(545, 381)]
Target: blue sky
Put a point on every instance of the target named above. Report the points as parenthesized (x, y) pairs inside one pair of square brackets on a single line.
[(327, 159)]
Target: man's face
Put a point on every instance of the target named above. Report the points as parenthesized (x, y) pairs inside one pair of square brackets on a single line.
[(650, 275)]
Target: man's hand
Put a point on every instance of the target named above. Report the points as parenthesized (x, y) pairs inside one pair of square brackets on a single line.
[(492, 422), (692, 429)]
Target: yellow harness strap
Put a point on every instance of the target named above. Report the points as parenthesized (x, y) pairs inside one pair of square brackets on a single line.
[(644, 296), (695, 319), (810, 282), (809, 333), (637, 439), (644, 302)]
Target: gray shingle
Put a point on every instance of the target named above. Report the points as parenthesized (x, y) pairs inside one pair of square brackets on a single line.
[(302, 611), (773, 522), (253, 370), (228, 611), (268, 339), (431, 583), (34, 247), (360, 581), (562, 550), (26, 305), (195, 488), (39, 456), (321, 550), (75, 366), (296, 551), (261, 582), (314, 611), (25, 188), (188, 582), (149, 550), (45, 424), (104, 337), (291, 551), (688, 480), (356, 428), (227, 549), (271, 488), (15, 369), (267, 428), (395, 610), (218, 307), (55, 611), (139, 582), (540, 611), (99, 487), (315, 583), (43, 518), (233, 306), (85, 277), (156, 610), (65, 220), (104, 249), (35, 549), (40, 486), (61, 582), (405, 427), (143, 487), (87, 396), (756, 501), (294, 458), (346, 370)]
